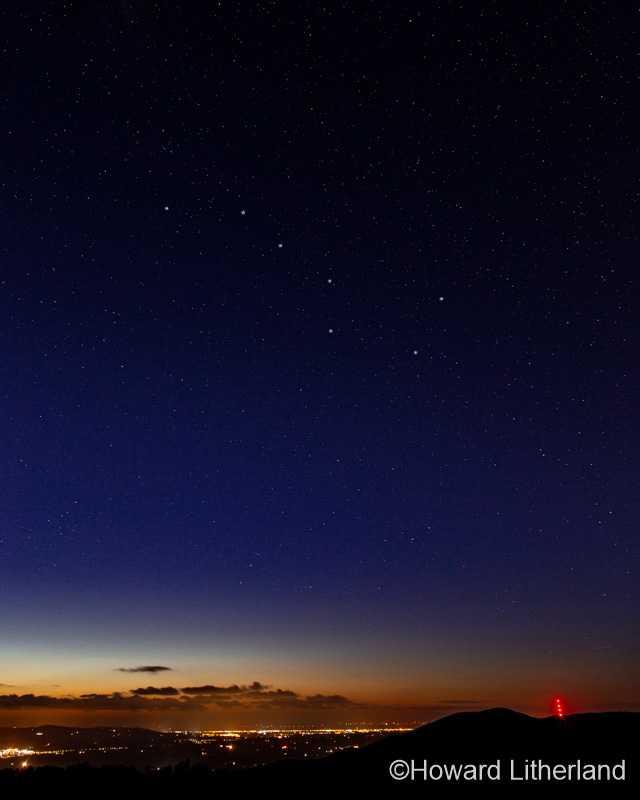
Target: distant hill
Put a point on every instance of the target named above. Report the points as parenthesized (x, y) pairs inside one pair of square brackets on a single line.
[(462, 742)]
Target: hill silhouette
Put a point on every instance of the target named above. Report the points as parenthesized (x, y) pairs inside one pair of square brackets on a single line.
[(494, 737)]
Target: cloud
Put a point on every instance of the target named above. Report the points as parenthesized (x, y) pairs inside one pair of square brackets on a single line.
[(254, 696), (224, 690), (101, 702), (27, 701), (277, 693), (286, 699), (258, 687), (329, 701), (144, 669)]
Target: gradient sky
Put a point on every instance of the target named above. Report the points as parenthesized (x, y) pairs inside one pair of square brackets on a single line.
[(320, 361)]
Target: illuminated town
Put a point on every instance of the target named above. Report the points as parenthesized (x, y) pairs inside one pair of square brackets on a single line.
[(229, 750)]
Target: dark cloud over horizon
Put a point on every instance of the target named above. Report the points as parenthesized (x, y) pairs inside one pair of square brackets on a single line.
[(100, 702), (256, 686), (254, 697), (144, 669), (151, 698)]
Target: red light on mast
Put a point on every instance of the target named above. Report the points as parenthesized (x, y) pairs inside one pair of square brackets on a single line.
[(559, 707)]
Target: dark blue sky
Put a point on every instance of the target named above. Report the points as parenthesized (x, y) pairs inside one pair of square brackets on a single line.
[(320, 351)]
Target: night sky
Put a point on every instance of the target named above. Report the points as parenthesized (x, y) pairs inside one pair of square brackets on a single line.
[(320, 361)]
